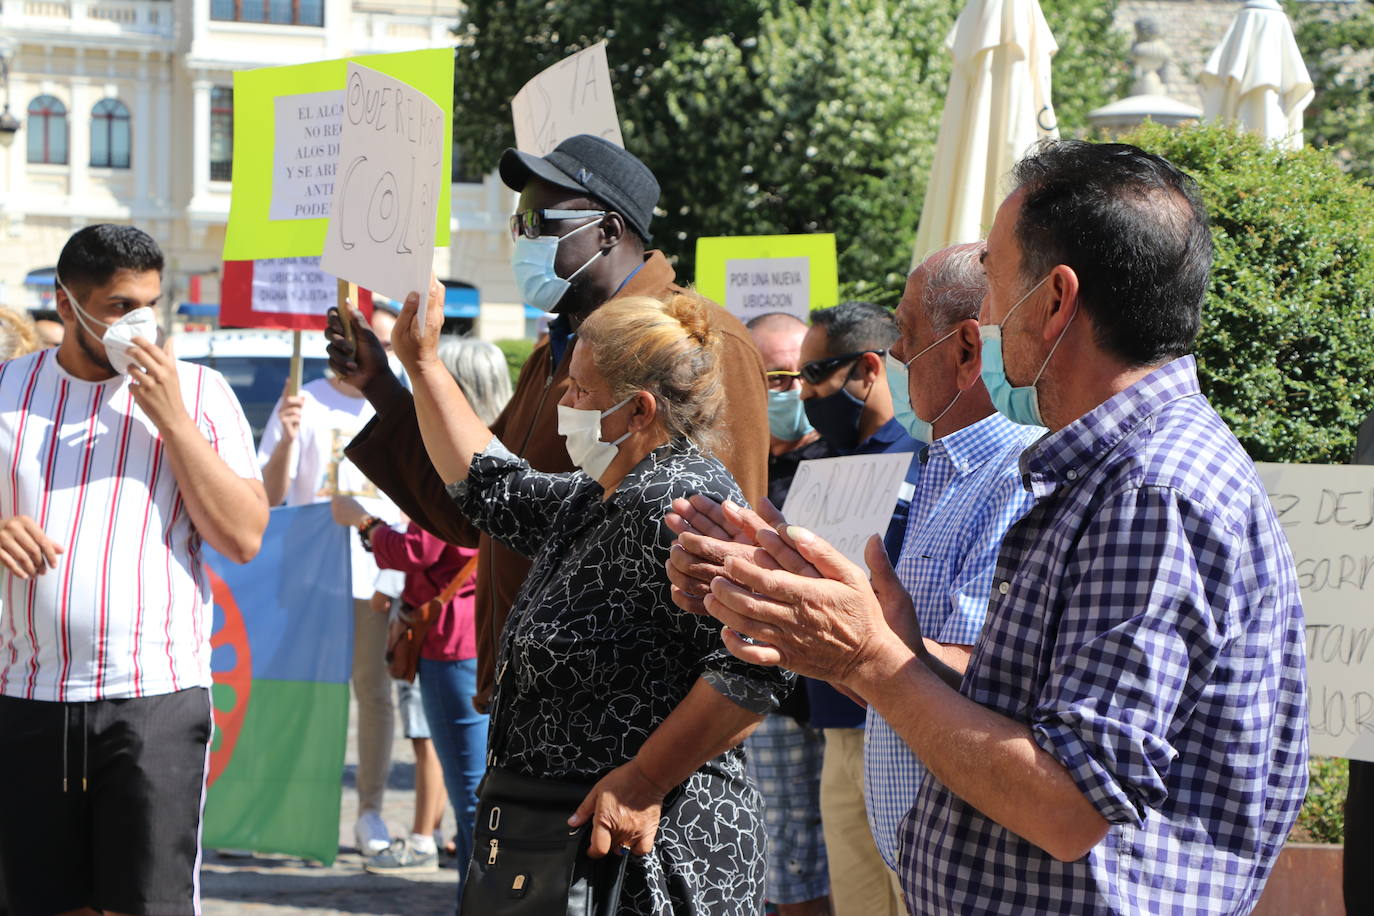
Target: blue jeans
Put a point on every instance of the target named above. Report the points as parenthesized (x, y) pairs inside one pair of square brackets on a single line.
[(460, 739)]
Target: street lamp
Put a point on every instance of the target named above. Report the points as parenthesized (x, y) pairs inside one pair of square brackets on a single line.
[(9, 124)]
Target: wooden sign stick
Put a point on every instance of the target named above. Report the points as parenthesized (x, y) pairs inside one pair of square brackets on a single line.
[(293, 383), (348, 294)]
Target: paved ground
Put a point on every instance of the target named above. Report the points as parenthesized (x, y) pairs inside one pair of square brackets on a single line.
[(280, 886)]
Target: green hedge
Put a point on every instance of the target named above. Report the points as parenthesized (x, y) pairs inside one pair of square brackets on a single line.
[(516, 350), (1286, 352)]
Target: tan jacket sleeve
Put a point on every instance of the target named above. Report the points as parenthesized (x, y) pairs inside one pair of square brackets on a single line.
[(744, 439), (391, 453)]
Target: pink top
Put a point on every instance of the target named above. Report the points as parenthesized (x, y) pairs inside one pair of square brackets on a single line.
[(430, 564)]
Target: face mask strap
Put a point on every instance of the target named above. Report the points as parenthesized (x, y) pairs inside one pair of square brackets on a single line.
[(1023, 299), (1057, 341), (948, 408), (572, 276), (907, 364), (81, 315)]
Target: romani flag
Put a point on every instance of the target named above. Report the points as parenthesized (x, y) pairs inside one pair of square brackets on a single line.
[(289, 293), (283, 648)]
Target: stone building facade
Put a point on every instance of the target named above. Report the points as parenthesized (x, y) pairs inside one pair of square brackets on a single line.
[(125, 115)]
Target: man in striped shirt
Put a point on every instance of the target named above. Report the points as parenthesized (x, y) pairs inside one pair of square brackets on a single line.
[(117, 463), (968, 495)]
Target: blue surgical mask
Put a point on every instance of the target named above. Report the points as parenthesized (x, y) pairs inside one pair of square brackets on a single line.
[(916, 428), (787, 415), (836, 417), (1017, 404), (533, 262)]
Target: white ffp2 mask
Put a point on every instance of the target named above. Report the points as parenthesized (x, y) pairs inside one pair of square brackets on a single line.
[(117, 338)]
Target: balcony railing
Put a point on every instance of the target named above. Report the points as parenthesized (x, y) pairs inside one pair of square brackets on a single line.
[(154, 18)]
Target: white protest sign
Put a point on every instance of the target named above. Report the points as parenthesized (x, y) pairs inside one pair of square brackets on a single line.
[(755, 286), (1327, 511), (305, 153), (572, 97), (847, 500), (381, 228), (293, 286)]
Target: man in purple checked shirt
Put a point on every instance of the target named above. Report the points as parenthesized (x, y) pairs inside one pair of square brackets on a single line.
[(1131, 733)]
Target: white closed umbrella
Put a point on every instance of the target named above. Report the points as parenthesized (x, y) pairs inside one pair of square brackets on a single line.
[(1256, 78), (998, 105)]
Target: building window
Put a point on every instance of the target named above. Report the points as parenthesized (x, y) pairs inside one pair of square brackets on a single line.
[(221, 133), (109, 135), (278, 12), (47, 131)]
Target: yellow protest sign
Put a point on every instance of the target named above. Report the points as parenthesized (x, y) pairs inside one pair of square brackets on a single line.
[(754, 274), (287, 126)]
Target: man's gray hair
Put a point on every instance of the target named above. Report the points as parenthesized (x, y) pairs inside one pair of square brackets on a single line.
[(955, 286), (480, 369)]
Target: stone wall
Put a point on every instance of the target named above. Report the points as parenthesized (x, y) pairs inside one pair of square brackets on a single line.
[(1192, 29)]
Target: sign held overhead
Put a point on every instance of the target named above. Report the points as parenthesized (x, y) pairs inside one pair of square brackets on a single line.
[(572, 97), (391, 169)]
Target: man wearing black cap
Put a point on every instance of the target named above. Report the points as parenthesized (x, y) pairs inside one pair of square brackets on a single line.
[(581, 228)]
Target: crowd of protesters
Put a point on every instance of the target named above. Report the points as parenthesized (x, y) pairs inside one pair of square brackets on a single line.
[(1070, 680)]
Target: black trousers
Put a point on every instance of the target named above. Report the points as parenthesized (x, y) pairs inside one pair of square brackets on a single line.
[(1359, 839)]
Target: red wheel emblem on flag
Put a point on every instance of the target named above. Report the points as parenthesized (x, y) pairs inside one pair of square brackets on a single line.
[(238, 679)]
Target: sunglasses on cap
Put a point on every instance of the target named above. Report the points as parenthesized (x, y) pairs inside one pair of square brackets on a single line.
[(530, 223), (818, 370)]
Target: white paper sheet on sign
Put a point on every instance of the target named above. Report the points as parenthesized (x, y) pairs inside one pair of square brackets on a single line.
[(294, 286), (847, 500), (386, 194), (572, 97), (1327, 512)]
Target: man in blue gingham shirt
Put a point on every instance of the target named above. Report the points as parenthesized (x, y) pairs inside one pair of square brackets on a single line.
[(1130, 735), (968, 494)]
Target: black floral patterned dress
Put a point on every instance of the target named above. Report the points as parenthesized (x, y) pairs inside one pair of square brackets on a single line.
[(595, 656)]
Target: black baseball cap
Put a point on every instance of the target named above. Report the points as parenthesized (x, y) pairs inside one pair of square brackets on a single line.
[(595, 167)]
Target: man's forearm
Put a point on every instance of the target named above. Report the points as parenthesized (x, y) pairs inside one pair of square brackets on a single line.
[(386, 393), (228, 511), (988, 760), (949, 661), (704, 725)]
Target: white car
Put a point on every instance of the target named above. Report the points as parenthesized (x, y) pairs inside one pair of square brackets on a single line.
[(255, 363)]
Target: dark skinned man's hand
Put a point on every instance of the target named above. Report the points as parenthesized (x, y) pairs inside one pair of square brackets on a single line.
[(358, 364)]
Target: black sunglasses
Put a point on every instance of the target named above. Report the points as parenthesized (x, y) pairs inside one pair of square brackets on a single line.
[(530, 223), (818, 370)]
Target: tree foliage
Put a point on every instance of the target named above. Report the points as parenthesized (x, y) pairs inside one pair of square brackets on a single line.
[(1338, 45), (1288, 327), (769, 116)]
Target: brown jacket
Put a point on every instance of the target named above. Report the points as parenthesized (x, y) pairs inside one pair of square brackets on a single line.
[(529, 427)]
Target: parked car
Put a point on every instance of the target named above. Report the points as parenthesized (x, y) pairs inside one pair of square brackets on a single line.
[(255, 363)]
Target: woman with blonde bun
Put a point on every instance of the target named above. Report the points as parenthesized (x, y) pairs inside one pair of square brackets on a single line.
[(600, 679)]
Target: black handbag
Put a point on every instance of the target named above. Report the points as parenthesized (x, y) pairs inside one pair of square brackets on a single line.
[(526, 861)]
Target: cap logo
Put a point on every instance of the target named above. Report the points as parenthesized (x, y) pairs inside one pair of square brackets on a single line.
[(583, 176)]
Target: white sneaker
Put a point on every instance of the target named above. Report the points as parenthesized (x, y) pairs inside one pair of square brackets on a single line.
[(371, 834)]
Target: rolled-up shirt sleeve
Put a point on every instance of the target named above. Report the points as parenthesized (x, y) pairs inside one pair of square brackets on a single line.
[(509, 500), (1136, 645)]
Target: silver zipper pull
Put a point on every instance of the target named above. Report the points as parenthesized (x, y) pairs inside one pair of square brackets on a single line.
[(491, 856)]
